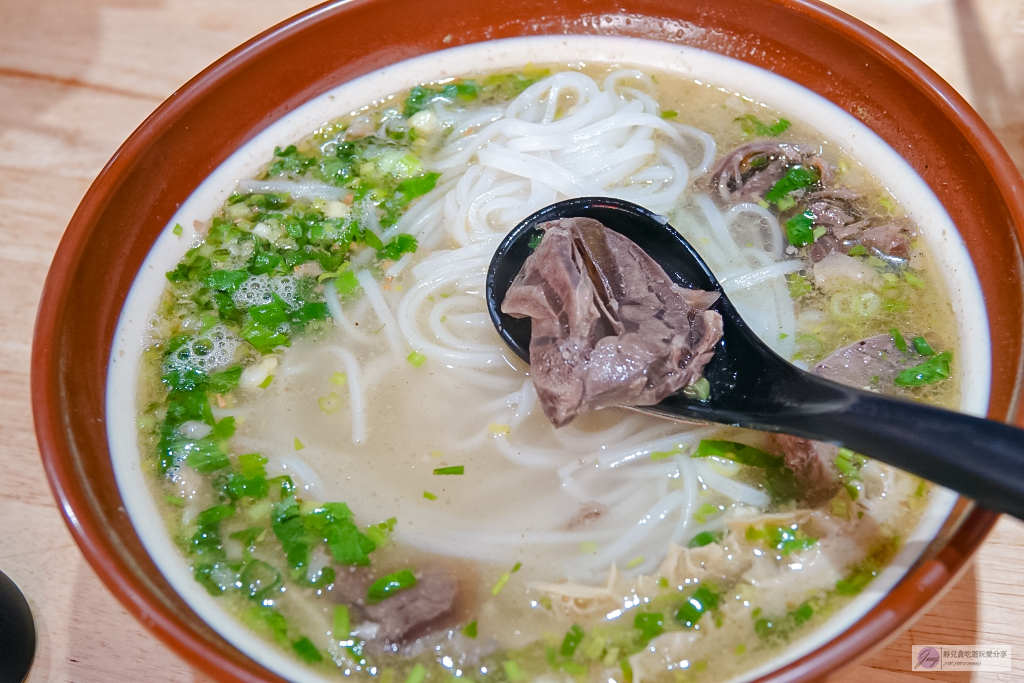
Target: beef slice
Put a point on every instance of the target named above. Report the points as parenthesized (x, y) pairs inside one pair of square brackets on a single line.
[(609, 326)]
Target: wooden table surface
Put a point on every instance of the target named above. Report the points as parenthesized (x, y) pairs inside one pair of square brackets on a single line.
[(77, 76)]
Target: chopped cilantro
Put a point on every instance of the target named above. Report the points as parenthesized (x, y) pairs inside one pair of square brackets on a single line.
[(535, 241), (796, 178), (470, 630), (306, 650), (401, 244), (799, 230), (258, 579)]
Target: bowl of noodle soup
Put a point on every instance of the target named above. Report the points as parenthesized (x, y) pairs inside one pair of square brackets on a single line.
[(359, 412)]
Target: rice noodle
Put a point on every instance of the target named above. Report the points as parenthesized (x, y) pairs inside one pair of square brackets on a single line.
[(355, 392), (376, 298)]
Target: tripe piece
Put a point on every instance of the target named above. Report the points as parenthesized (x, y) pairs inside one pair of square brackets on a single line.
[(609, 326)]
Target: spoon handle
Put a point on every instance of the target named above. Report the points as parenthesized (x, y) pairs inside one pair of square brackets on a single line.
[(981, 459)]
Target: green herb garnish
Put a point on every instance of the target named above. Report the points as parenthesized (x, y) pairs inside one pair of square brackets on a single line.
[(933, 370), (389, 585), (737, 452)]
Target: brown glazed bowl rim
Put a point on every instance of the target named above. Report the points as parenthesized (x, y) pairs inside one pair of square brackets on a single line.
[(191, 133)]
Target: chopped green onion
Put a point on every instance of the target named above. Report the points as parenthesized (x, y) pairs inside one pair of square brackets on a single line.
[(650, 625), (418, 673), (429, 496), (799, 286), (387, 586), (306, 650), (737, 452), (913, 280), (416, 359), (470, 630), (266, 383), (933, 370), (587, 547), (699, 390), (177, 229), (329, 403), (669, 114), (635, 562), (342, 626), (454, 469), (499, 429), (517, 567), (572, 640), (298, 444), (663, 455), (857, 250), (514, 673), (706, 509), (339, 378), (500, 583), (898, 340), (702, 600), (922, 346), (705, 538)]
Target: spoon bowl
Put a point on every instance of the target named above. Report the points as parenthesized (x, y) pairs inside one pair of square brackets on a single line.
[(755, 388)]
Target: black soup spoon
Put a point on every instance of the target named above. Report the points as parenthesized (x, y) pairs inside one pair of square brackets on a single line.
[(17, 633), (754, 387)]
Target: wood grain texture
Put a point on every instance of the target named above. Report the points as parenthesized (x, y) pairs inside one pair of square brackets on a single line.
[(77, 76)]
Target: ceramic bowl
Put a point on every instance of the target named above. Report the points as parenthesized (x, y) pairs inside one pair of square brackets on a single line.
[(128, 206)]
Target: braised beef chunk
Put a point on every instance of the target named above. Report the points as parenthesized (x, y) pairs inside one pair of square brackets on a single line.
[(871, 364), (813, 464), (609, 326), (425, 607), (748, 172)]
